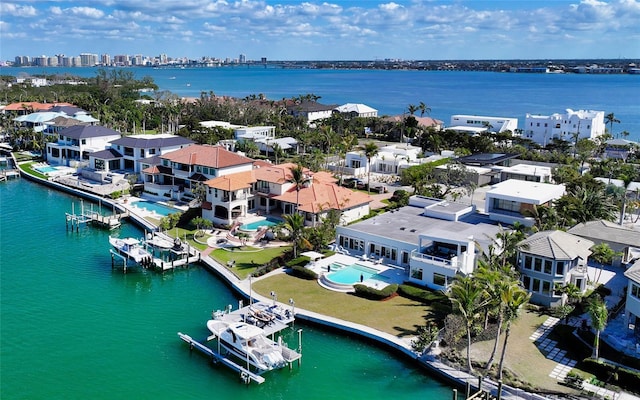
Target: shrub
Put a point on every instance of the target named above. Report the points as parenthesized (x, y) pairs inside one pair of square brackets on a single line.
[(419, 294), (301, 260), (268, 267), (303, 272), (375, 294), (116, 195), (620, 376)]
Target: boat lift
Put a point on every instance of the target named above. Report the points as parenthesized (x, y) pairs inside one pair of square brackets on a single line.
[(246, 375)]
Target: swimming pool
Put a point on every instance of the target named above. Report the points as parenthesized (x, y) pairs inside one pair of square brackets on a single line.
[(45, 169), (352, 274), (253, 226), (158, 208)]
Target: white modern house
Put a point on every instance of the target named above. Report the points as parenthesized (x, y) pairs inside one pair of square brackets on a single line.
[(389, 160), (353, 110), (542, 128), (632, 306), (76, 143), (255, 133), (507, 202), (431, 239), (549, 260), (135, 148), (525, 172), (478, 124)]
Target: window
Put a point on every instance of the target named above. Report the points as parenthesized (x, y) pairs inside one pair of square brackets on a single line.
[(439, 279), (99, 165), (635, 291), (546, 288), (560, 268), (536, 285), (84, 141), (527, 262), (548, 266), (141, 152), (526, 282), (557, 289), (537, 265), (416, 273), (405, 257)]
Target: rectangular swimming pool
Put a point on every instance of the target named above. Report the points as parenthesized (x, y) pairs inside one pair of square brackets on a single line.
[(158, 208)]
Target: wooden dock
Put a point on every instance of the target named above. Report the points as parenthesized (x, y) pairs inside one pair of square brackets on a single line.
[(245, 375), (90, 216), (7, 174)]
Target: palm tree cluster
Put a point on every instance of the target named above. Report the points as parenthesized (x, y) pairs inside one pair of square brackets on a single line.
[(493, 291)]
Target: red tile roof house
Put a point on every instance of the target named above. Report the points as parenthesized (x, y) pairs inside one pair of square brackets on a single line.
[(266, 190), (177, 173)]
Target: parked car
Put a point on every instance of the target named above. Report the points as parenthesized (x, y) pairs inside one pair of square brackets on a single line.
[(379, 189)]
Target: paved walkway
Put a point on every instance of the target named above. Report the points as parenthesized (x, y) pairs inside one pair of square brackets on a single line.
[(549, 348)]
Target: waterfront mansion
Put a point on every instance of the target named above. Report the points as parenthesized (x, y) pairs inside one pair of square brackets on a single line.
[(236, 186)]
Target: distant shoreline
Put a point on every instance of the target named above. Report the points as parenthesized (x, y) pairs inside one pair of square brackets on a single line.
[(585, 66)]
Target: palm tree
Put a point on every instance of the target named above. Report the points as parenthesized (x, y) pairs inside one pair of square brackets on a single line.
[(424, 109), (299, 179), (500, 289), (467, 297), (294, 223), (598, 313), (611, 119), (513, 298), (602, 254), (370, 151)]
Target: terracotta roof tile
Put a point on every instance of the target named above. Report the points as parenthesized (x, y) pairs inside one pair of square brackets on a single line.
[(232, 182), (323, 196), (207, 156)]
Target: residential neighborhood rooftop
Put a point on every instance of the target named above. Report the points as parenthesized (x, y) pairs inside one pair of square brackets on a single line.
[(558, 245)]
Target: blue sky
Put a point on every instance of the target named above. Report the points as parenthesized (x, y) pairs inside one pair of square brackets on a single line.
[(324, 30)]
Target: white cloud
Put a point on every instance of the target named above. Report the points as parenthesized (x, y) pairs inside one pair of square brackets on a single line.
[(16, 10)]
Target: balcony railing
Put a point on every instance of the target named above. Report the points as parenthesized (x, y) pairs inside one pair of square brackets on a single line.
[(439, 261)]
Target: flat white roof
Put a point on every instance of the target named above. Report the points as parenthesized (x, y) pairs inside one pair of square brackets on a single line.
[(525, 191), (527, 169), (464, 128)]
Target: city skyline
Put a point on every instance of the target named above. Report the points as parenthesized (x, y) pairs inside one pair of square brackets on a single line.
[(330, 30)]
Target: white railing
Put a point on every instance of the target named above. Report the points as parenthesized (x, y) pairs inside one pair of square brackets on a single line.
[(427, 258)]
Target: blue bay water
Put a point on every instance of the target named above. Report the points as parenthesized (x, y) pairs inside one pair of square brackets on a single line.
[(445, 92), (73, 328)]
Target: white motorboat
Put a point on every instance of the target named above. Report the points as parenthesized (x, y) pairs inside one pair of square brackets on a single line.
[(248, 343), (131, 249)]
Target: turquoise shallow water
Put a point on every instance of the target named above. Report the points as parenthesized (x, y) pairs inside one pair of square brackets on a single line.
[(73, 328)]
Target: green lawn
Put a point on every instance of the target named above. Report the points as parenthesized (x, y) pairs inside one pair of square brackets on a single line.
[(27, 167), (398, 316), (247, 258)]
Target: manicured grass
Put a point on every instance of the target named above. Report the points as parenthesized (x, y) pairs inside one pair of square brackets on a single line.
[(27, 167), (523, 358), (246, 258), (397, 316)]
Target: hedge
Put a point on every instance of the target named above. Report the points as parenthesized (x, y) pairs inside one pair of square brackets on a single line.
[(300, 260), (626, 379), (375, 294), (303, 272), (420, 294)]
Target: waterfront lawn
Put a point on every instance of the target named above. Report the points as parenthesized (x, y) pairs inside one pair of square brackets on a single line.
[(27, 167), (247, 259), (524, 359), (398, 316)]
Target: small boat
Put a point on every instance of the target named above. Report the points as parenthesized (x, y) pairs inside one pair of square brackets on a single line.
[(248, 343), (172, 77), (131, 249)]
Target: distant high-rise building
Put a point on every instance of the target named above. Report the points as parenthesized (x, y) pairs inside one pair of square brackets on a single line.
[(41, 61), (121, 59), (163, 58), (242, 59), (105, 59), (263, 60), (88, 59), (76, 61), (66, 61), (52, 61), (22, 61)]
